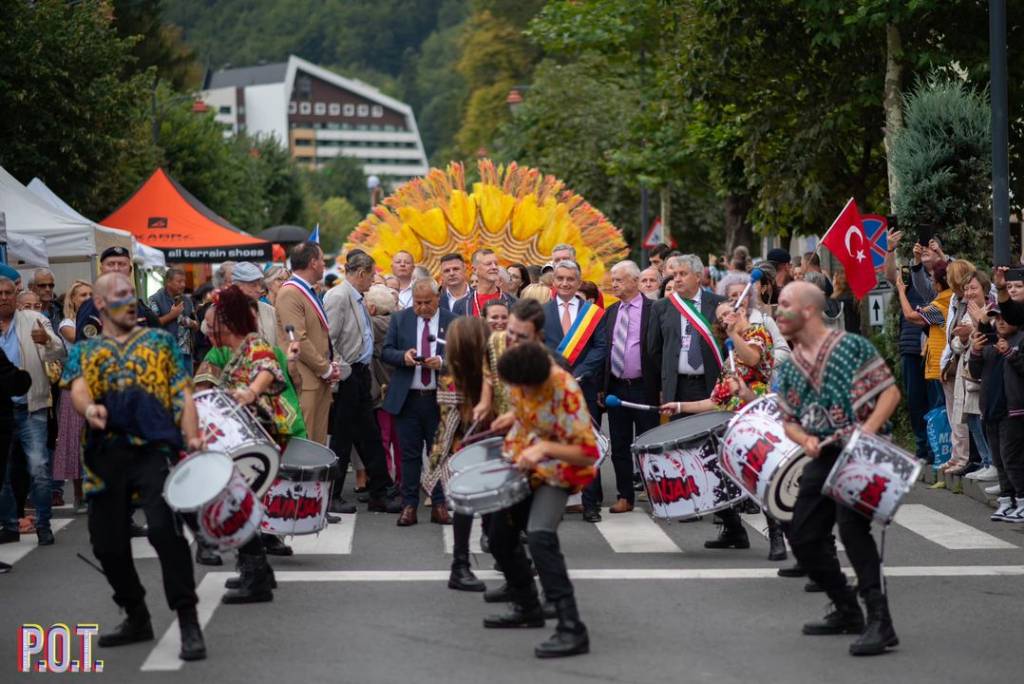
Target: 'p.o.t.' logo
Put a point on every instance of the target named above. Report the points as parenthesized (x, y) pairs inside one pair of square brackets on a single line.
[(53, 648)]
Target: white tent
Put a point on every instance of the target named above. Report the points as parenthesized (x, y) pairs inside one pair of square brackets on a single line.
[(67, 238), (150, 257), (26, 251)]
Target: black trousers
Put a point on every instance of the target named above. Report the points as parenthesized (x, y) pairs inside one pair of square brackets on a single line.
[(416, 425), (462, 524), (1011, 451), (624, 425), (355, 424), (125, 469), (593, 494), (810, 532), (993, 432)]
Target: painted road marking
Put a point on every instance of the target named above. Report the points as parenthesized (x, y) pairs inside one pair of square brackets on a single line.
[(333, 540), (15, 551), (946, 531), (474, 537), (141, 548), (164, 656), (635, 532)]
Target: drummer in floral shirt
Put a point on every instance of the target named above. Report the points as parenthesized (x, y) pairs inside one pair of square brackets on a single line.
[(552, 440)]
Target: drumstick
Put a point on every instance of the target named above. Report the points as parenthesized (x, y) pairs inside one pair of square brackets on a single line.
[(290, 329), (613, 401), (732, 357), (439, 340), (755, 276)]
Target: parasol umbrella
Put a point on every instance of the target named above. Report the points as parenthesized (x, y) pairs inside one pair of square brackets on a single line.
[(285, 234)]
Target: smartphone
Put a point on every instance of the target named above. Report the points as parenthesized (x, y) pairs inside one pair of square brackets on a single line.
[(925, 233), (419, 359), (1015, 274)]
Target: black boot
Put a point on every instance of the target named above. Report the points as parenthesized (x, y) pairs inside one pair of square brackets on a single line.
[(879, 633), (207, 555), (135, 627), (255, 582), (461, 577), (732, 536), (192, 645), (570, 637), (236, 582), (499, 595), (526, 611), (845, 618), (273, 545), (796, 570), (776, 542)]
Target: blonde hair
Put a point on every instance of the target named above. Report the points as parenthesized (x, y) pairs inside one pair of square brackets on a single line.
[(537, 292), (70, 309), (958, 273)]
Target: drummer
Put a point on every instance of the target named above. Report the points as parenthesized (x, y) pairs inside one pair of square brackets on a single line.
[(743, 378), (834, 383), (551, 439), (132, 387), (245, 364)]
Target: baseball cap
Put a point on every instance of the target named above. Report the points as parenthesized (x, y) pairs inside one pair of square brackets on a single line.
[(246, 272), (114, 252), (779, 256)]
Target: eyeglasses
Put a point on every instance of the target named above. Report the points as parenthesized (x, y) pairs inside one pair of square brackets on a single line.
[(48, 286)]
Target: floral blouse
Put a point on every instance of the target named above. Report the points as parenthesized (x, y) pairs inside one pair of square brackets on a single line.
[(756, 377), (557, 413)]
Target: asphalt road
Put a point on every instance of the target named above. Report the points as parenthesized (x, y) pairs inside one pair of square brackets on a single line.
[(368, 603)]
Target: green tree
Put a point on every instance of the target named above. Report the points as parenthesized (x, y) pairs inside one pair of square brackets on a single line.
[(156, 44), (337, 218), (340, 177), (70, 116), (942, 162)]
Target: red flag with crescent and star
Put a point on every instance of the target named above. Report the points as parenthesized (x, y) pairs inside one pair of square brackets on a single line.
[(849, 243)]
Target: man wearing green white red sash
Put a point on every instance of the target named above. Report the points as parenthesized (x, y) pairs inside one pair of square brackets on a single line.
[(574, 329), (682, 346)]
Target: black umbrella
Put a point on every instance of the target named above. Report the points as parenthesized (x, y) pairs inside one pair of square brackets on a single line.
[(285, 234)]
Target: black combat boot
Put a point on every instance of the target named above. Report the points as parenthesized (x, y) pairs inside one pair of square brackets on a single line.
[(879, 633), (845, 618), (255, 586), (776, 542), (570, 637), (526, 611), (192, 645), (135, 627)]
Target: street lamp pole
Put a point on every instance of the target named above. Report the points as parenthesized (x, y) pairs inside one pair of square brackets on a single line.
[(1000, 132)]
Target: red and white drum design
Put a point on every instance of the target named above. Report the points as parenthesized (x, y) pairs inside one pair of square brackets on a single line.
[(297, 502), (871, 476)]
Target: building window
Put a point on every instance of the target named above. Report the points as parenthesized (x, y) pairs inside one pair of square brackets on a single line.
[(225, 109), (320, 109), (305, 108), (378, 111), (292, 107), (350, 110), (304, 87), (334, 109), (363, 110)]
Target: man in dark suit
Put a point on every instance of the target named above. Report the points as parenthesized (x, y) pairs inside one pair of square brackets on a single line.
[(560, 316), (688, 365), (455, 285), (485, 266), (414, 345), (628, 378)]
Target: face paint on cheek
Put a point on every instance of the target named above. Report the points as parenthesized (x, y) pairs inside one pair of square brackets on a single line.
[(116, 307), (788, 315)]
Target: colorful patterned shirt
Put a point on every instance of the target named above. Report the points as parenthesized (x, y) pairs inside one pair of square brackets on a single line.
[(149, 360), (756, 377), (556, 413), (837, 390), (935, 313)]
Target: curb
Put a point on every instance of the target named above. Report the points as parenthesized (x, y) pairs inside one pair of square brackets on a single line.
[(956, 484)]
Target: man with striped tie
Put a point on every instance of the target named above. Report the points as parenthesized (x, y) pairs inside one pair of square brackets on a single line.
[(628, 378)]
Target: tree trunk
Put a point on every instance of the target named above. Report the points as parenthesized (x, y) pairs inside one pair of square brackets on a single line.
[(891, 99), (738, 230), (665, 193)]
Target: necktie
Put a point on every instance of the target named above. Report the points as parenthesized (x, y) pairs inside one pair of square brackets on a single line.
[(566, 321), (425, 352), (694, 355), (619, 341)]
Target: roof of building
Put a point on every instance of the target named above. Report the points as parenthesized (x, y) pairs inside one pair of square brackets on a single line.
[(250, 75)]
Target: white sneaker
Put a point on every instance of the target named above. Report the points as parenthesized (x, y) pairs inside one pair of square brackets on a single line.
[(993, 489), (986, 474), (1005, 506), (1016, 515)]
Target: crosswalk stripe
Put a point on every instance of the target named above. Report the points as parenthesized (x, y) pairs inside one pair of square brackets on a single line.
[(333, 540), (946, 531), (141, 548), (635, 532), (14, 552), (164, 656), (474, 537)]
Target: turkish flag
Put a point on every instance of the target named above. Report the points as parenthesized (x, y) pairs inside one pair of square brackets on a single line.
[(848, 241)]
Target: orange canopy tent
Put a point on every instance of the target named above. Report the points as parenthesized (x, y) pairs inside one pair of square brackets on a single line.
[(165, 215)]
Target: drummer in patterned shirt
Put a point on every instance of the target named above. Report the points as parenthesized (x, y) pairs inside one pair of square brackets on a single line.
[(833, 383), (551, 439)]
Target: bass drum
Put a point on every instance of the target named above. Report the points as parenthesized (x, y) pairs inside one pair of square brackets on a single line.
[(229, 427)]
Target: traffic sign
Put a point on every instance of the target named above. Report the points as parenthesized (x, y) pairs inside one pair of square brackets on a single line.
[(878, 304), (656, 235)]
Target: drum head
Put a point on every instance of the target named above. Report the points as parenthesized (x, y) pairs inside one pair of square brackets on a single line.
[(303, 453), (484, 478), (782, 491), (688, 429), (258, 464), (197, 480), (485, 451)]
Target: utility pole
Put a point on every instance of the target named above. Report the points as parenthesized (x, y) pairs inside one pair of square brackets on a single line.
[(1000, 133)]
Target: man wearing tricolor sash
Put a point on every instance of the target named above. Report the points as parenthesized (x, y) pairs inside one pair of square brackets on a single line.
[(681, 344), (575, 329)]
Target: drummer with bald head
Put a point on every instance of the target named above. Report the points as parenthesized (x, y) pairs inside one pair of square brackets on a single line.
[(132, 386), (834, 383)]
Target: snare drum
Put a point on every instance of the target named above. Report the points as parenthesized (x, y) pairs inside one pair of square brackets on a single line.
[(229, 427), (484, 451), (208, 483), (757, 455), (679, 465), (487, 488), (871, 476), (297, 501)]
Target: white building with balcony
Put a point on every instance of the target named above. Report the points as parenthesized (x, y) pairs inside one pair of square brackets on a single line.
[(319, 115)]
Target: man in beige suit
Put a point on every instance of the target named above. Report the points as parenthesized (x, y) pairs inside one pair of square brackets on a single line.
[(298, 306), (355, 422)]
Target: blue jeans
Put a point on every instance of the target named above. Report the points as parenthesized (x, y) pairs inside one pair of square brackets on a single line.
[(30, 433), (918, 402), (977, 429)]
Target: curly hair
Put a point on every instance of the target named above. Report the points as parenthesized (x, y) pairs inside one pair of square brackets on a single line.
[(232, 311)]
